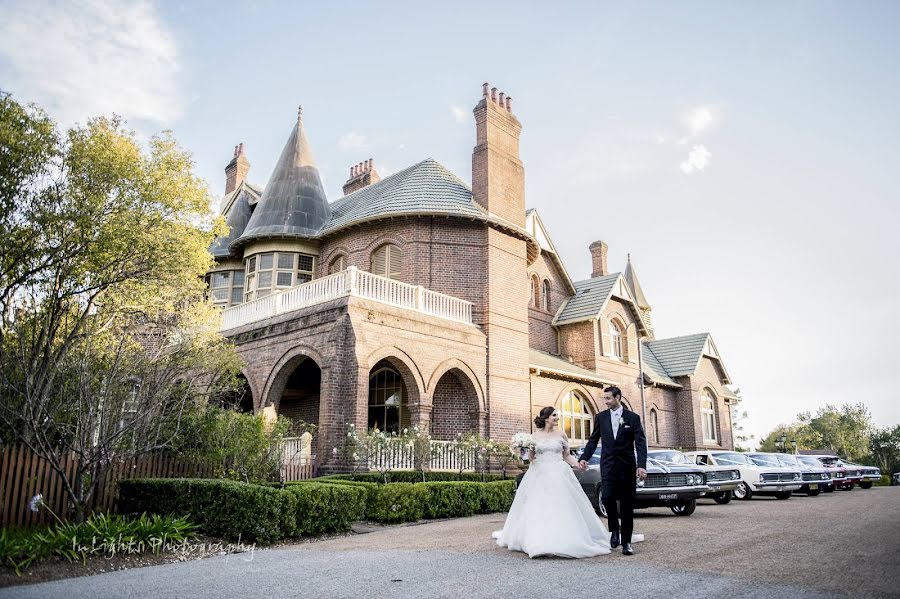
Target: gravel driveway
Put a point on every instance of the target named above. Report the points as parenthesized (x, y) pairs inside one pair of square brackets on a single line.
[(844, 544)]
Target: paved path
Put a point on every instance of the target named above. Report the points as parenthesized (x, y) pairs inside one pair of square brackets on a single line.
[(845, 544)]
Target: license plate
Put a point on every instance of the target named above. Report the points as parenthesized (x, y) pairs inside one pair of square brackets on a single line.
[(668, 495), (813, 486)]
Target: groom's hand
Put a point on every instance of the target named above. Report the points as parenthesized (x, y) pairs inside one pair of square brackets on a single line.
[(641, 473), (582, 465)]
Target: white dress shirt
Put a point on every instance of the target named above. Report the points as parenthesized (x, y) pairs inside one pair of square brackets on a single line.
[(616, 420)]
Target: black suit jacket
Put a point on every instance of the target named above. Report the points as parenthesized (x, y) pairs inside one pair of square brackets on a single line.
[(617, 454)]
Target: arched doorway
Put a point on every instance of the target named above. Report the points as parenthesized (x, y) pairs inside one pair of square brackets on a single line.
[(388, 406), (299, 399), (454, 408), (576, 418)]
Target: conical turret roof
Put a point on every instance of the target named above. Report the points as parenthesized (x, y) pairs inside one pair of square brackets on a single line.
[(293, 203), (632, 279)]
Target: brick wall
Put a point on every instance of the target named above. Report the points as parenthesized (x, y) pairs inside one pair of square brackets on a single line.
[(454, 408), (541, 333)]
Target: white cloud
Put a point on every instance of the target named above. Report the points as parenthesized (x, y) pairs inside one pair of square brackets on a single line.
[(697, 160), (352, 140), (660, 139), (459, 115), (90, 58), (701, 118)]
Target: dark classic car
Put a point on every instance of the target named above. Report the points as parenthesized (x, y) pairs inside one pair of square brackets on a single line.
[(667, 485), (722, 480)]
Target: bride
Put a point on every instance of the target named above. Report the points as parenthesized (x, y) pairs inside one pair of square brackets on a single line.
[(550, 514)]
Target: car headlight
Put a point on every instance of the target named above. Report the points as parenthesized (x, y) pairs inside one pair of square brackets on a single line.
[(824, 476), (735, 475), (796, 477), (760, 477)]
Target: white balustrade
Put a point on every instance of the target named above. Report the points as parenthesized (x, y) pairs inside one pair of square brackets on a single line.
[(350, 282)]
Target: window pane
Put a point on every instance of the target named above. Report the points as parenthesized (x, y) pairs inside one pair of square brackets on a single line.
[(238, 278), (285, 261), (237, 295), (265, 280), (285, 279), (251, 264), (220, 295), (220, 279), (265, 261), (301, 278), (263, 292), (306, 262)]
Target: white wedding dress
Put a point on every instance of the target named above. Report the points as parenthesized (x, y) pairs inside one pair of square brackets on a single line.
[(550, 514)]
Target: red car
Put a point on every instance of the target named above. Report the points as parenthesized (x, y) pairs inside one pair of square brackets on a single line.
[(840, 475)]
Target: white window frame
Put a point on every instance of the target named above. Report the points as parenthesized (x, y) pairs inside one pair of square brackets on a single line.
[(708, 416), (616, 335), (581, 418)]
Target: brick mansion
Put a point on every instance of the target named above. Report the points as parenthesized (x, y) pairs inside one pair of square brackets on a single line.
[(417, 299)]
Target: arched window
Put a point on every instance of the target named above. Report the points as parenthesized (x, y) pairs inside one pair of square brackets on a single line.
[(615, 339), (576, 418), (545, 295), (535, 291), (654, 427), (386, 261), (708, 415), (387, 403), (338, 264)]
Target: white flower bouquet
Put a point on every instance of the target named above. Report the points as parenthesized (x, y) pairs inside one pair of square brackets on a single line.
[(521, 443)]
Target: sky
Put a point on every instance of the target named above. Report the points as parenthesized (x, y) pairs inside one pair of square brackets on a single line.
[(745, 154)]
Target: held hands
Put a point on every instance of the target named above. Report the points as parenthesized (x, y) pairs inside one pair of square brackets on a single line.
[(582, 465), (641, 473)]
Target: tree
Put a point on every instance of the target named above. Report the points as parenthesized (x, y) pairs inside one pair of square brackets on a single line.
[(105, 337), (791, 432), (884, 448), (738, 417), (844, 430)]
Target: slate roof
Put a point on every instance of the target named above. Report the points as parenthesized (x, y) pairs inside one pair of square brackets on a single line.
[(590, 295), (632, 279), (679, 356), (543, 360), (423, 188), (238, 209), (654, 370)]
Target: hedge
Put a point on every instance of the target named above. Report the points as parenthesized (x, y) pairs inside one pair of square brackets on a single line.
[(497, 496), (223, 508), (410, 476), (327, 508)]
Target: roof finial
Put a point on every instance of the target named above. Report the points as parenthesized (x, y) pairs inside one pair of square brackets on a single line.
[(629, 256), (300, 114)]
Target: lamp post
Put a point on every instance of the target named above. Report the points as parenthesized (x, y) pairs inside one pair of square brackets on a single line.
[(794, 446), (780, 442)]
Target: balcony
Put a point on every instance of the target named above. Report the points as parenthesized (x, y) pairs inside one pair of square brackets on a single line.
[(349, 283)]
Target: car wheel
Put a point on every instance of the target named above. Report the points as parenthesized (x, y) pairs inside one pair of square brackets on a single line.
[(783, 495), (601, 509), (684, 508), (813, 493), (723, 498), (866, 484), (743, 491)]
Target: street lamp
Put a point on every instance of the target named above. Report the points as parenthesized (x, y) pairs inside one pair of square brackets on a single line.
[(780, 442), (794, 446)]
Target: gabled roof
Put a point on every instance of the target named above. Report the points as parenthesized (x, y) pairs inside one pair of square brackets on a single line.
[(654, 371), (680, 356), (238, 207), (535, 226), (539, 360), (591, 297)]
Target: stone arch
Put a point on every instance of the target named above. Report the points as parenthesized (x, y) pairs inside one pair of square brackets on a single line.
[(594, 404), (456, 363), (405, 365), (253, 388), (455, 406), (284, 367), (577, 427)]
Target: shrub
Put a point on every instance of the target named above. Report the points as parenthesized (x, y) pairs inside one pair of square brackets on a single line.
[(452, 499), (221, 508), (407, 476), (99, 534), (324, 507), (497, 496), (398, 502)]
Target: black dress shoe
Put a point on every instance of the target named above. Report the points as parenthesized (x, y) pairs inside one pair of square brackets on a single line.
[(626, 549), (614, 539)]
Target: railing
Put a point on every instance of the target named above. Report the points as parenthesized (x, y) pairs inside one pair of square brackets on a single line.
[(445, 456), (298, 461), (350, 282)]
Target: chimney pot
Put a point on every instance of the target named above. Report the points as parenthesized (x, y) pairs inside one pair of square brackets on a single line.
[(235, 151), (502, 99), (509, 103), (240, 148), (484, 92), (494, 95), (370, 163), (353, 171)]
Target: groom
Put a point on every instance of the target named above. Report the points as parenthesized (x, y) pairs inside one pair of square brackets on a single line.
[(622, 437)]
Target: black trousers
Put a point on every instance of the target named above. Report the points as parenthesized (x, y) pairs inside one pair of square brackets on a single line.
[(620, 507)]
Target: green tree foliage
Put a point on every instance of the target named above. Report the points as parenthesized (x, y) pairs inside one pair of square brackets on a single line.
[(105, 338), (884, 449), (738, 417), (843, 430)]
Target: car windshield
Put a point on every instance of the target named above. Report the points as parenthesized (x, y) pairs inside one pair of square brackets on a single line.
[(673, 457), (787, 460), (809, 460), (765, 460), (731, 459)]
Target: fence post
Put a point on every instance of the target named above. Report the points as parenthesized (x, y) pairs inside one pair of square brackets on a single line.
[(351, 280), (420, 298)]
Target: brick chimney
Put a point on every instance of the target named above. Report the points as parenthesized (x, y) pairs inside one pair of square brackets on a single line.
[(498, 177), (237, 169), (598, 259), (361, 175)]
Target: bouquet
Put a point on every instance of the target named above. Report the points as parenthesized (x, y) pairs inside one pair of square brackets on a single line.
[(522, 442)]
